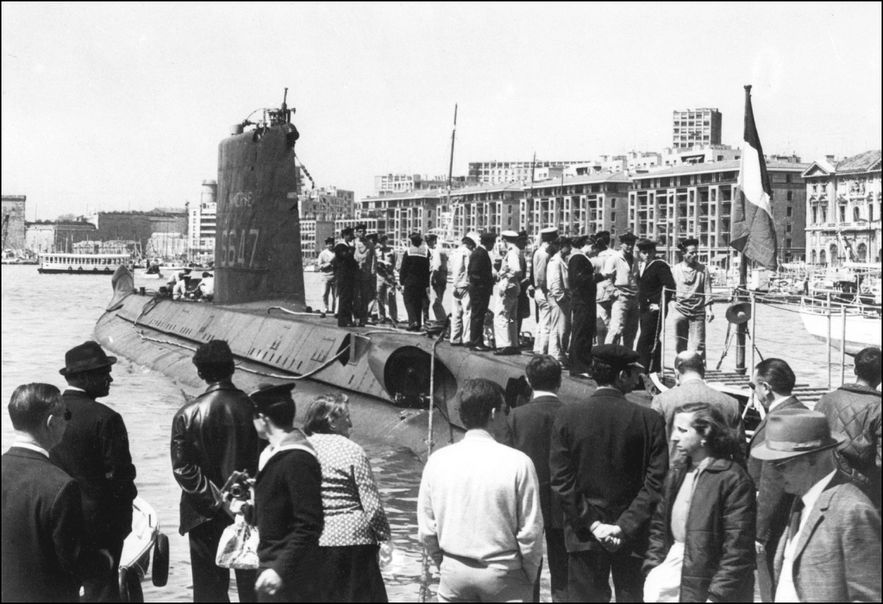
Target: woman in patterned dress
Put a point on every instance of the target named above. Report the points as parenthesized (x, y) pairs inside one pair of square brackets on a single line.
[(355, 521)]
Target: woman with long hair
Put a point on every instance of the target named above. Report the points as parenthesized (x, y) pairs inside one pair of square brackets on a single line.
[(702, 533), (355, 522)]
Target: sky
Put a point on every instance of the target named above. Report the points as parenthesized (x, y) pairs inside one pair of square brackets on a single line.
[(121, 106)]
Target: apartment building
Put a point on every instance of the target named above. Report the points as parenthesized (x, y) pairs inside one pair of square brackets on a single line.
[(696, 127), (697, 200), (843, 209), (499, 172)]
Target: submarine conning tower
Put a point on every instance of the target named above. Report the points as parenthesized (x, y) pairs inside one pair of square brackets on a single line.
[(257, 248)]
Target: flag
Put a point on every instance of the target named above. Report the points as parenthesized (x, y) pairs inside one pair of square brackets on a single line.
[(754, 231)]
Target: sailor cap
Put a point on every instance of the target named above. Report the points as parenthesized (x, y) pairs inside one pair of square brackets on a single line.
[(509, 235), (548, 234)]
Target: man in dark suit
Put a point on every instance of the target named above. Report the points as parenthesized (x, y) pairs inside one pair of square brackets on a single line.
[(481, 285), (212, 436), (43, 558), (529, 429), (656, 286), (608, 462), (772, 383), (95, 451), (583, 291), (830, 551)]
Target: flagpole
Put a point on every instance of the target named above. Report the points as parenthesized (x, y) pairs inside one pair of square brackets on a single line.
[(742, 328)]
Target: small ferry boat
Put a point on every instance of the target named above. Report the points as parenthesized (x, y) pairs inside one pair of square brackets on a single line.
[(82, 264)]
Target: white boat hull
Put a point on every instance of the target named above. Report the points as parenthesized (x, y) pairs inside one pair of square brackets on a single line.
[(862, 330)]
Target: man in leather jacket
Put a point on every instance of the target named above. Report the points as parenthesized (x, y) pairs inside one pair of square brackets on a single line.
[(213, 435)]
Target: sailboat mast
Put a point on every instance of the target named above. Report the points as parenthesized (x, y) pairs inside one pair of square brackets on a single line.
[(450, 234)]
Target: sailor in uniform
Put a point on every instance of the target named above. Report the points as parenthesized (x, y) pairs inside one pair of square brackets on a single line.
[(510, 274), (540, 262)]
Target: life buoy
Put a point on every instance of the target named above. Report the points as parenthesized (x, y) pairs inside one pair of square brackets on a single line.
[(95, 269), (160, 565), (130, 586), (79, 269)]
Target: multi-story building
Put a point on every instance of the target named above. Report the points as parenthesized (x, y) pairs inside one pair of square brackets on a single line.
[(391, 184), (61, 236), (576, 205), (326, 204), (497, 172), (696, 127), (843, 209), (202, 228), (699, 154), (14, 221), (696, 200), (573, 204)]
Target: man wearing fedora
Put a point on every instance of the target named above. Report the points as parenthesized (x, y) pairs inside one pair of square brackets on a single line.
[(830, 551), (95, 452), (212, 436), (772, 383)]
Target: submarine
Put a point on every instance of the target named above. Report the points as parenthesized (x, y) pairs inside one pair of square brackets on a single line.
[(391, 376)]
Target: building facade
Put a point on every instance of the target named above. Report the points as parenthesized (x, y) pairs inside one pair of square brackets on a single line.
[(14, 221), (696, 127), (326, 204), (500, 172), (843, 209), (63, 236), (393, 184), (202, 222), (696, 200)]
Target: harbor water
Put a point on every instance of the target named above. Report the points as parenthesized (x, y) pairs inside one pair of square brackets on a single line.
[(45, 315)]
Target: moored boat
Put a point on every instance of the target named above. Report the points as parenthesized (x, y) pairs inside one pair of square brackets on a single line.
[(145, 548), (857, 324)]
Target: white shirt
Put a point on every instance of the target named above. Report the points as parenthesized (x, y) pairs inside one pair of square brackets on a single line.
[(22, 443), (480, 500), (785, 590), (556, 277), (459, 264)]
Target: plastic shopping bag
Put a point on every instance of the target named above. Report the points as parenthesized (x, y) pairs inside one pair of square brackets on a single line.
[(238, 547)]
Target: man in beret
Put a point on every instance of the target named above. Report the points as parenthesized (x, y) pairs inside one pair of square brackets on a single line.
[(509, 277), (95, 451), (583, 291), (622, 271), (541, 290), (692, 299), (287, 499), (655, 288), (212, 436), (830, 551), (608, 461), (326, 267)]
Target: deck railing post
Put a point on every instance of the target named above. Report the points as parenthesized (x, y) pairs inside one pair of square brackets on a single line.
[(828, 338), (842, 344), (753, 324)]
